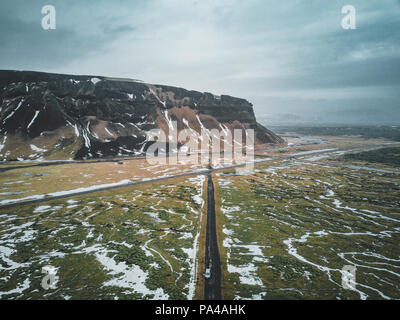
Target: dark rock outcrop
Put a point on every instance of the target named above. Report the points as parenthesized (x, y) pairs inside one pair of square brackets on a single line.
[(68, 116)]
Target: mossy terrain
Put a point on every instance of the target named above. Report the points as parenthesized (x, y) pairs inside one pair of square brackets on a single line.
[(289, 229), (387, 132), (132, 243), (387, 156)]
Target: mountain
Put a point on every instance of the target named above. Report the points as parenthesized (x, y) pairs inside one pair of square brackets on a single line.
[(55, 116)]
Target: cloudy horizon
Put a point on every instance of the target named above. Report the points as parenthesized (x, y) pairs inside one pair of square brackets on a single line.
[(292, 60)]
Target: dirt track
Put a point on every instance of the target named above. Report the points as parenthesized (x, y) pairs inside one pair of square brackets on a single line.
[(205, 171)]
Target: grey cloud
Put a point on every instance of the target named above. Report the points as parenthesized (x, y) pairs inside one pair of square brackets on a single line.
[(80, 31), (277, 54)]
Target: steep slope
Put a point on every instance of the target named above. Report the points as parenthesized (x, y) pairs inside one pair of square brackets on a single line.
[(56, 116)]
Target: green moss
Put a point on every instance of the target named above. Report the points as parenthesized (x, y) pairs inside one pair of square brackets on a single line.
[(131, 256), (296, 202), (109, 223)]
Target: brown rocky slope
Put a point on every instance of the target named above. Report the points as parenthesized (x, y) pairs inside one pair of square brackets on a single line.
[(55, 116)]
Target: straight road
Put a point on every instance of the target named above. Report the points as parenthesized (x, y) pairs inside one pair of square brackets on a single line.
[(212, 285)]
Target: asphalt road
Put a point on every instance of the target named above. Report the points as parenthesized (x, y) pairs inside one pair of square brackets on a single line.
[(212, 285)]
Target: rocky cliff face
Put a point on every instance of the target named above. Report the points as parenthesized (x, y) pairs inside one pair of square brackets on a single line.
[(55, 116)]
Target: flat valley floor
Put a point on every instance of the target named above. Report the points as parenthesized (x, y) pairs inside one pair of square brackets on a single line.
[(285, 230)]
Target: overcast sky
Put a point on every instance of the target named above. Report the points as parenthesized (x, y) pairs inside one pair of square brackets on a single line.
[(291, 59)]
